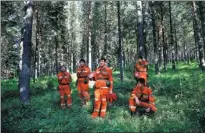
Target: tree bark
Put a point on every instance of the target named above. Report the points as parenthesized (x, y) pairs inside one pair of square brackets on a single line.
[(202, 17), (140, 29), (172, 38), (26, 57), (159, 47), (120, 41), (36, 49), (163, 44), (184, 46), (105, 21), (156, 59), (199, 39), (56, 53), (89, 36), (176, 46), (145, 26)]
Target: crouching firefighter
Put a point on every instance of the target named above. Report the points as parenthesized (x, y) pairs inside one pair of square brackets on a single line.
[(103, 87), (83, 81), (64, 80), (141, 97)]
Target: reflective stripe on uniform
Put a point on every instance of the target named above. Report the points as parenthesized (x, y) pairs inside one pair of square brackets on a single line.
[(103, 87), (96, 99), (132, 107), (69, 104), (103, 99), (68, 95), (96, 110), (103, 110), (62, 104)]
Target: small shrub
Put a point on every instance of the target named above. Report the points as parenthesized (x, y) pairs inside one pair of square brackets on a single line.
[(50, 85)]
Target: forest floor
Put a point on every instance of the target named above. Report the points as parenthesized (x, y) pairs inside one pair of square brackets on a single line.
[(180, 100)]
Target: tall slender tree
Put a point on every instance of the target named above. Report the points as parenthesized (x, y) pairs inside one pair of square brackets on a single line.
[(172, 38), (162, 35), (202, 18), (156, 60), (26, 56), (120, 42), (198, 37), (89, 36), (140, 29)]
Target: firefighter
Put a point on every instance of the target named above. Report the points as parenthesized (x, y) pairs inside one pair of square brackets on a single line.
[(141, 97), (82, 82), (140, 69), (64, 80), (103, 87)]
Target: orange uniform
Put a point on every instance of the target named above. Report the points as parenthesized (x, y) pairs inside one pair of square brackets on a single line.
[(103, 86), (82, 83), (64, 80), (141, 69), (145, 97)]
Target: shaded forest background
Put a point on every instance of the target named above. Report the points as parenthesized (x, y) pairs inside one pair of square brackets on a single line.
[(64, 32)]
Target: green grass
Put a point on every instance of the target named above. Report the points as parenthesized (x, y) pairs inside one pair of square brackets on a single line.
[(180, 101)]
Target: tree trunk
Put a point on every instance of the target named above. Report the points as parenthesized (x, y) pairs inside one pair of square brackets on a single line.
[(172, 38), (156, 59), (26, 57), (89, 36), (195, 39), (145, 26), (39, 51), (140, 29), (159, 47), (184, 46), (163, 38), (56, 53), (74, 63), (202, 17), (176, 46), (120, 41), (199, 39), (105, 21), (36, 49)]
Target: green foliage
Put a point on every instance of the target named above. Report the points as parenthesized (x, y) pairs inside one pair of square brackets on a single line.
[(180, 103), (50, 84)]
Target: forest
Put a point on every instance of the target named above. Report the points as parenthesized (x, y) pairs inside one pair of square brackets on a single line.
[(37, 37)]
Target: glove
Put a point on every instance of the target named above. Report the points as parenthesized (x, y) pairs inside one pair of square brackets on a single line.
[(85, 81)]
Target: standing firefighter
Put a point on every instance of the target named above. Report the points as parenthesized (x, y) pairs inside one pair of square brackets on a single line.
[(82, 81), (103, 87), (140, 70), (141, 97), (64, 80)]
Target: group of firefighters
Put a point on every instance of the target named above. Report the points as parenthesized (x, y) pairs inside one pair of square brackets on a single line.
[(141, 96)]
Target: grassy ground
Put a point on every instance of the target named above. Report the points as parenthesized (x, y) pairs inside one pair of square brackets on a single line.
[(180, 102)]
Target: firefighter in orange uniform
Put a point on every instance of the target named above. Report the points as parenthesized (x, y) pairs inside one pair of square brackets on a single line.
[(140, 70), (141, 96), (64, 80), (103, 87), (82, 81)]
